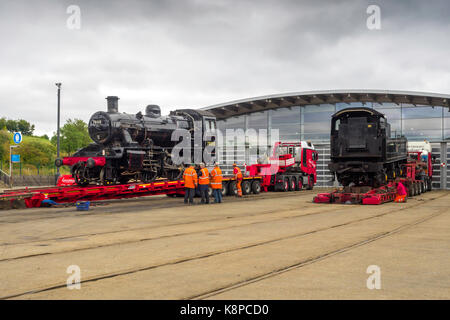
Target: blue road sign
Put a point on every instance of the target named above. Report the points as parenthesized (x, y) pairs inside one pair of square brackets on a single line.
[(15, 158), (17, 137)]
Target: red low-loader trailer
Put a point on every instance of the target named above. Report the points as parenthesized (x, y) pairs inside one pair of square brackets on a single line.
[(416, 177)]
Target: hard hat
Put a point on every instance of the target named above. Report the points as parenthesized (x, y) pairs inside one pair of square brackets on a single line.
[(234, 165)]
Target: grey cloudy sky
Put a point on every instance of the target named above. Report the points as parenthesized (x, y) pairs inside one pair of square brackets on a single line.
[(201, 52)]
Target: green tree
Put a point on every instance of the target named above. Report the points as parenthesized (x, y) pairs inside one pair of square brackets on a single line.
[(25, 127), (74, 135), (21, 125), (5, 137), (36, 151)]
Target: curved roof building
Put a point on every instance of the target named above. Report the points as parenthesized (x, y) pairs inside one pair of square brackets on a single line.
[(306, 116)]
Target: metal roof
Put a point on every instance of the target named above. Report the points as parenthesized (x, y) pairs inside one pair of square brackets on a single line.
[(249, 105)]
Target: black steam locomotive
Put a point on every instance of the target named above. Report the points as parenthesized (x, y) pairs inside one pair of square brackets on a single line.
[(138, 146), (362, 149)]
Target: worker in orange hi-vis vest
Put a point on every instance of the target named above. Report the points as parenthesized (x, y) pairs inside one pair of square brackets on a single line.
[(238, 176), (216, 183), (203, 183), (190, 183)]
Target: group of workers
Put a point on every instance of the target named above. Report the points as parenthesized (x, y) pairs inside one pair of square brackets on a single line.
[(199, 178)]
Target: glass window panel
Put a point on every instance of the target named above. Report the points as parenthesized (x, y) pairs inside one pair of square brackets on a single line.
[(425, 128), (390, 113), (317, 122), (342, 105), (420, 112), (287, 122), (385, 105), (257, 120)]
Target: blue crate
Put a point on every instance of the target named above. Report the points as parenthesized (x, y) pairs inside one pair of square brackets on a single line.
[(83, 206)]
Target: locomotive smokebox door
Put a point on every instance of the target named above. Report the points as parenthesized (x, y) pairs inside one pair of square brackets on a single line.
[(135, 158)]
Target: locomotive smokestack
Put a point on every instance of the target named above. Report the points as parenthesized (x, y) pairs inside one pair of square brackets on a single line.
[(113, 104)]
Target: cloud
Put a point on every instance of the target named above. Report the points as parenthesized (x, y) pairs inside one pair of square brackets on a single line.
[(196, 53)]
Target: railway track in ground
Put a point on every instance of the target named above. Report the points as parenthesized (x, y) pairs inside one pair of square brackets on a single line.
[(298, 264)]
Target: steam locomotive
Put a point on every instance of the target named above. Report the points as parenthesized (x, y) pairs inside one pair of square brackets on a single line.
[(137, 146), (362, 149)]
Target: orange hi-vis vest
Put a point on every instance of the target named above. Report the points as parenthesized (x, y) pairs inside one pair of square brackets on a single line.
[(237, 173), (204, 178), (216, 178), (190, 178)]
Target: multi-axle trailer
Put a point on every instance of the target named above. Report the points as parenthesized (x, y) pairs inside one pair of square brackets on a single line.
[(292, 167)]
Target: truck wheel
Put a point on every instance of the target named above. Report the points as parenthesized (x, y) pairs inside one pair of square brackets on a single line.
[(224, 189), (246, 187), (210, 192), (310, 183), (410, 190), (292, 184), (285, 184), (430, 184), (256, 187), (299, 184), (232, 189)]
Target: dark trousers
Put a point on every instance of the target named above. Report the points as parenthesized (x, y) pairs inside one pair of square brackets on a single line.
[(203, 188), (189, 194), (217, 195)]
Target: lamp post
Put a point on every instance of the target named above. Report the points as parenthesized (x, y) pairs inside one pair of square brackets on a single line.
[(58, 125)]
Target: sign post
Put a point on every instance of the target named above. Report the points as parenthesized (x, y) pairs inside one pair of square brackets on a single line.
[(14, 158)]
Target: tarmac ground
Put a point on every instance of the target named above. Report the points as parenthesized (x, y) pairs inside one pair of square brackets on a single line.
[(266, 246)]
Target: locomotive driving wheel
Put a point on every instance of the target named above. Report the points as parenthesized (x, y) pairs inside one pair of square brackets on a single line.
[(149, 176), (174, 174), (79, 174)]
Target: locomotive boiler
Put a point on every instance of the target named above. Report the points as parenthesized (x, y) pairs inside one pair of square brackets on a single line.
[(137, 146), (362, 149)]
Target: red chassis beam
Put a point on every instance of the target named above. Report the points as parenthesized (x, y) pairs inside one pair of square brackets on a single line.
[(34, 197)]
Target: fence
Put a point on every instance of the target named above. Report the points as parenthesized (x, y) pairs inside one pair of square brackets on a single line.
[(33, 180)]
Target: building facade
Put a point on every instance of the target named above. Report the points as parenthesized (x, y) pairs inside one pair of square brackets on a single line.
[(306, 116)]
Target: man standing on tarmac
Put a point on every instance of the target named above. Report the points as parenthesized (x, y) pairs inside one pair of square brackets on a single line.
[(203, 183), (216, 183), (238, 176), (190, 183)]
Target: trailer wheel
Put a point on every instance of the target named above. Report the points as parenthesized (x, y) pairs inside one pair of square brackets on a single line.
[(299, 184), (232, 188), (430, 184), (224, 189), (256, 187), (422, 187), (246, 187)]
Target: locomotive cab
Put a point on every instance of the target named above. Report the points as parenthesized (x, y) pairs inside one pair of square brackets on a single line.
[(362, 149)]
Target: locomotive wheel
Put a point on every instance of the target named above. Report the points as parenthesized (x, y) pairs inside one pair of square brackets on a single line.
[(149, 176), (246, 187), (299, 185), (79, 176), (292, 184), (173, 175), (256, 187)]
